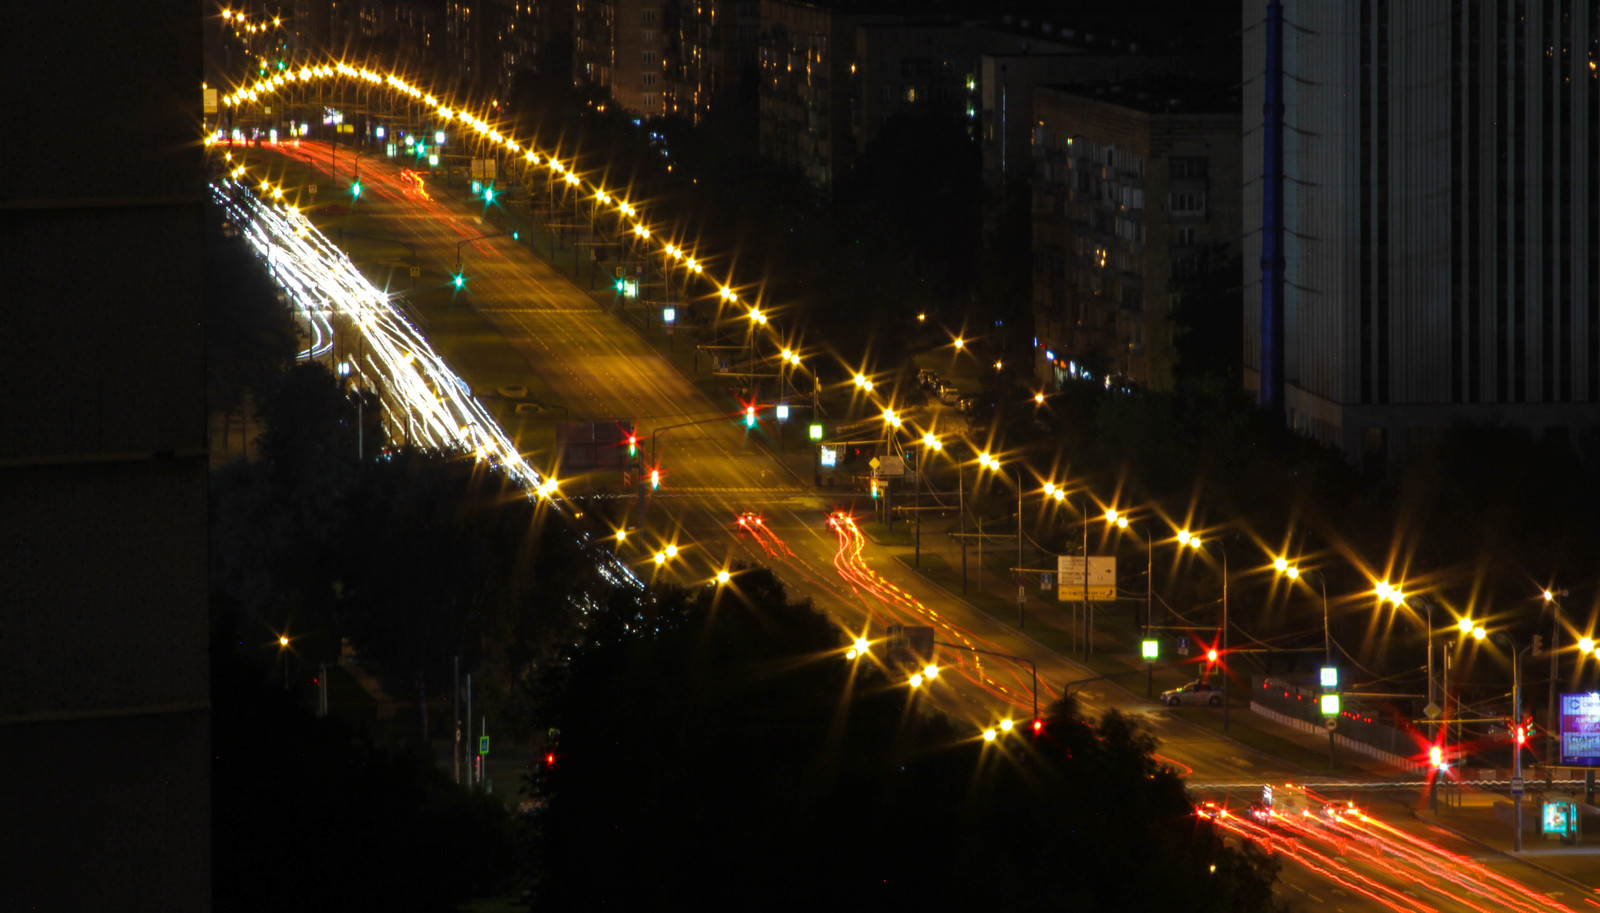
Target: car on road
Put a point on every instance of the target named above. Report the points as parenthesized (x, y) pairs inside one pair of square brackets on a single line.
[(1196, 692), (949, 395), (840, 519), (749, 520)]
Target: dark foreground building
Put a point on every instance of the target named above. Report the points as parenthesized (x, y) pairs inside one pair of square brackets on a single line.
[(104, 719)]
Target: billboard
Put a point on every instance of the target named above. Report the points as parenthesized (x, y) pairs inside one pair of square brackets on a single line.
[(1580, 730)]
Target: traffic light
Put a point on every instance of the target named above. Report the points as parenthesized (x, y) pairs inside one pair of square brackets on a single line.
[(1538, 645), (749, 416), (621, 284), (488, 194), (874, 489), (1211, 655), (1436, 756), (1521, 734), (355, 190), (460, 281), (655, 479), (633, 445)]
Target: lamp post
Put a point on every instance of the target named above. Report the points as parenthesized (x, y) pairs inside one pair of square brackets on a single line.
[(1553, 598), (1516, 747), (988, 462), (933, 443), (1122, 522), (1293, 572), (1193, 541)]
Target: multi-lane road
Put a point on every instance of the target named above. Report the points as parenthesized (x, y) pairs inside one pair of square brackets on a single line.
[(602, 369)]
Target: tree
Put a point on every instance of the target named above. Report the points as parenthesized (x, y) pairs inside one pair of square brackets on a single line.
[(724, 753), (307, 810)]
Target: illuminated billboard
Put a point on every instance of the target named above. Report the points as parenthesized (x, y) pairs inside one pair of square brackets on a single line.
[(1580, 730)]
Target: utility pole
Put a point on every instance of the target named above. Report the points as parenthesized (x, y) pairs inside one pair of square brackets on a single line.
[(455, 750)]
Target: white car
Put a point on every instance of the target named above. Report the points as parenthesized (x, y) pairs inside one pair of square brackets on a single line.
[(1193, 693)]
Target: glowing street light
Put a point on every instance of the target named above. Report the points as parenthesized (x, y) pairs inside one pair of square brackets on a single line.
[(1465, 625), (723, 577)]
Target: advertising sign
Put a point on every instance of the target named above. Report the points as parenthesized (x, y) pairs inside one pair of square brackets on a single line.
[(1580, 730)]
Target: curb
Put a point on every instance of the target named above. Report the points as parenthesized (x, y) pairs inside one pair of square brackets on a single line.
[(1586, 889)]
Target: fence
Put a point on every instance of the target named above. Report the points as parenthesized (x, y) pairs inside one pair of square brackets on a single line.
[(1357, 724)]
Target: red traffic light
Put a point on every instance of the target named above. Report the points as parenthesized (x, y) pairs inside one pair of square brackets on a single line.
[(1038, 726), (550, 760), (1522, 735), (1211, 656), (1436, 756)]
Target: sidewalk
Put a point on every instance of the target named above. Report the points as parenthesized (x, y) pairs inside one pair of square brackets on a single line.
[(1484, 818)]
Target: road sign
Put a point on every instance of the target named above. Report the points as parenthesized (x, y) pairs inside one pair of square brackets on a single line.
[(1184, 645), (875, 463), (890, 466), (1517, 784), (1047, 580), (416, 271), (312, 190), (1022, 593), (1432, 710), (1331, 722), (483, 745), (1102, 583)]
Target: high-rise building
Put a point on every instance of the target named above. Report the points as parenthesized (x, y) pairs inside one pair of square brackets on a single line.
[(1440, 196), (105, 720), (710, 52), (618, 47), (1135, 187)]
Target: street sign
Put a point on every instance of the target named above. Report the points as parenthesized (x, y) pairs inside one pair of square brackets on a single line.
[(416, 271), (1184, 646), (1102, 583), (1022, 593), (875, 463), (1047, 580), (1517, 784), (1432, 710), (1331, 722), (483, 745), (890, 466), (312, 190)]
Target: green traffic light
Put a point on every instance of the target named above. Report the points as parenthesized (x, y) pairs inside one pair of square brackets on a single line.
[(488, 194), (459, 280), (355, 189)]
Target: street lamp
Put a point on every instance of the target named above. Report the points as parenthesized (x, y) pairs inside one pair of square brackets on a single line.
[(1122, 522), (1193, 541), (989, 462), (1552, 598), (929, 442), (1516, 747)]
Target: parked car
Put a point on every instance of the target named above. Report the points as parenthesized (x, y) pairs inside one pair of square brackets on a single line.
[(1196, 692), (928, 380), (949, 395)]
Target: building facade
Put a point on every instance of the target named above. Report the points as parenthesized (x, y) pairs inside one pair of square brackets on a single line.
[(1440, 198), (619, 49), (1135, 186)]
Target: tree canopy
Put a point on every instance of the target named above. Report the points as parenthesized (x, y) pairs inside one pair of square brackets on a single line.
[(727, 755)]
